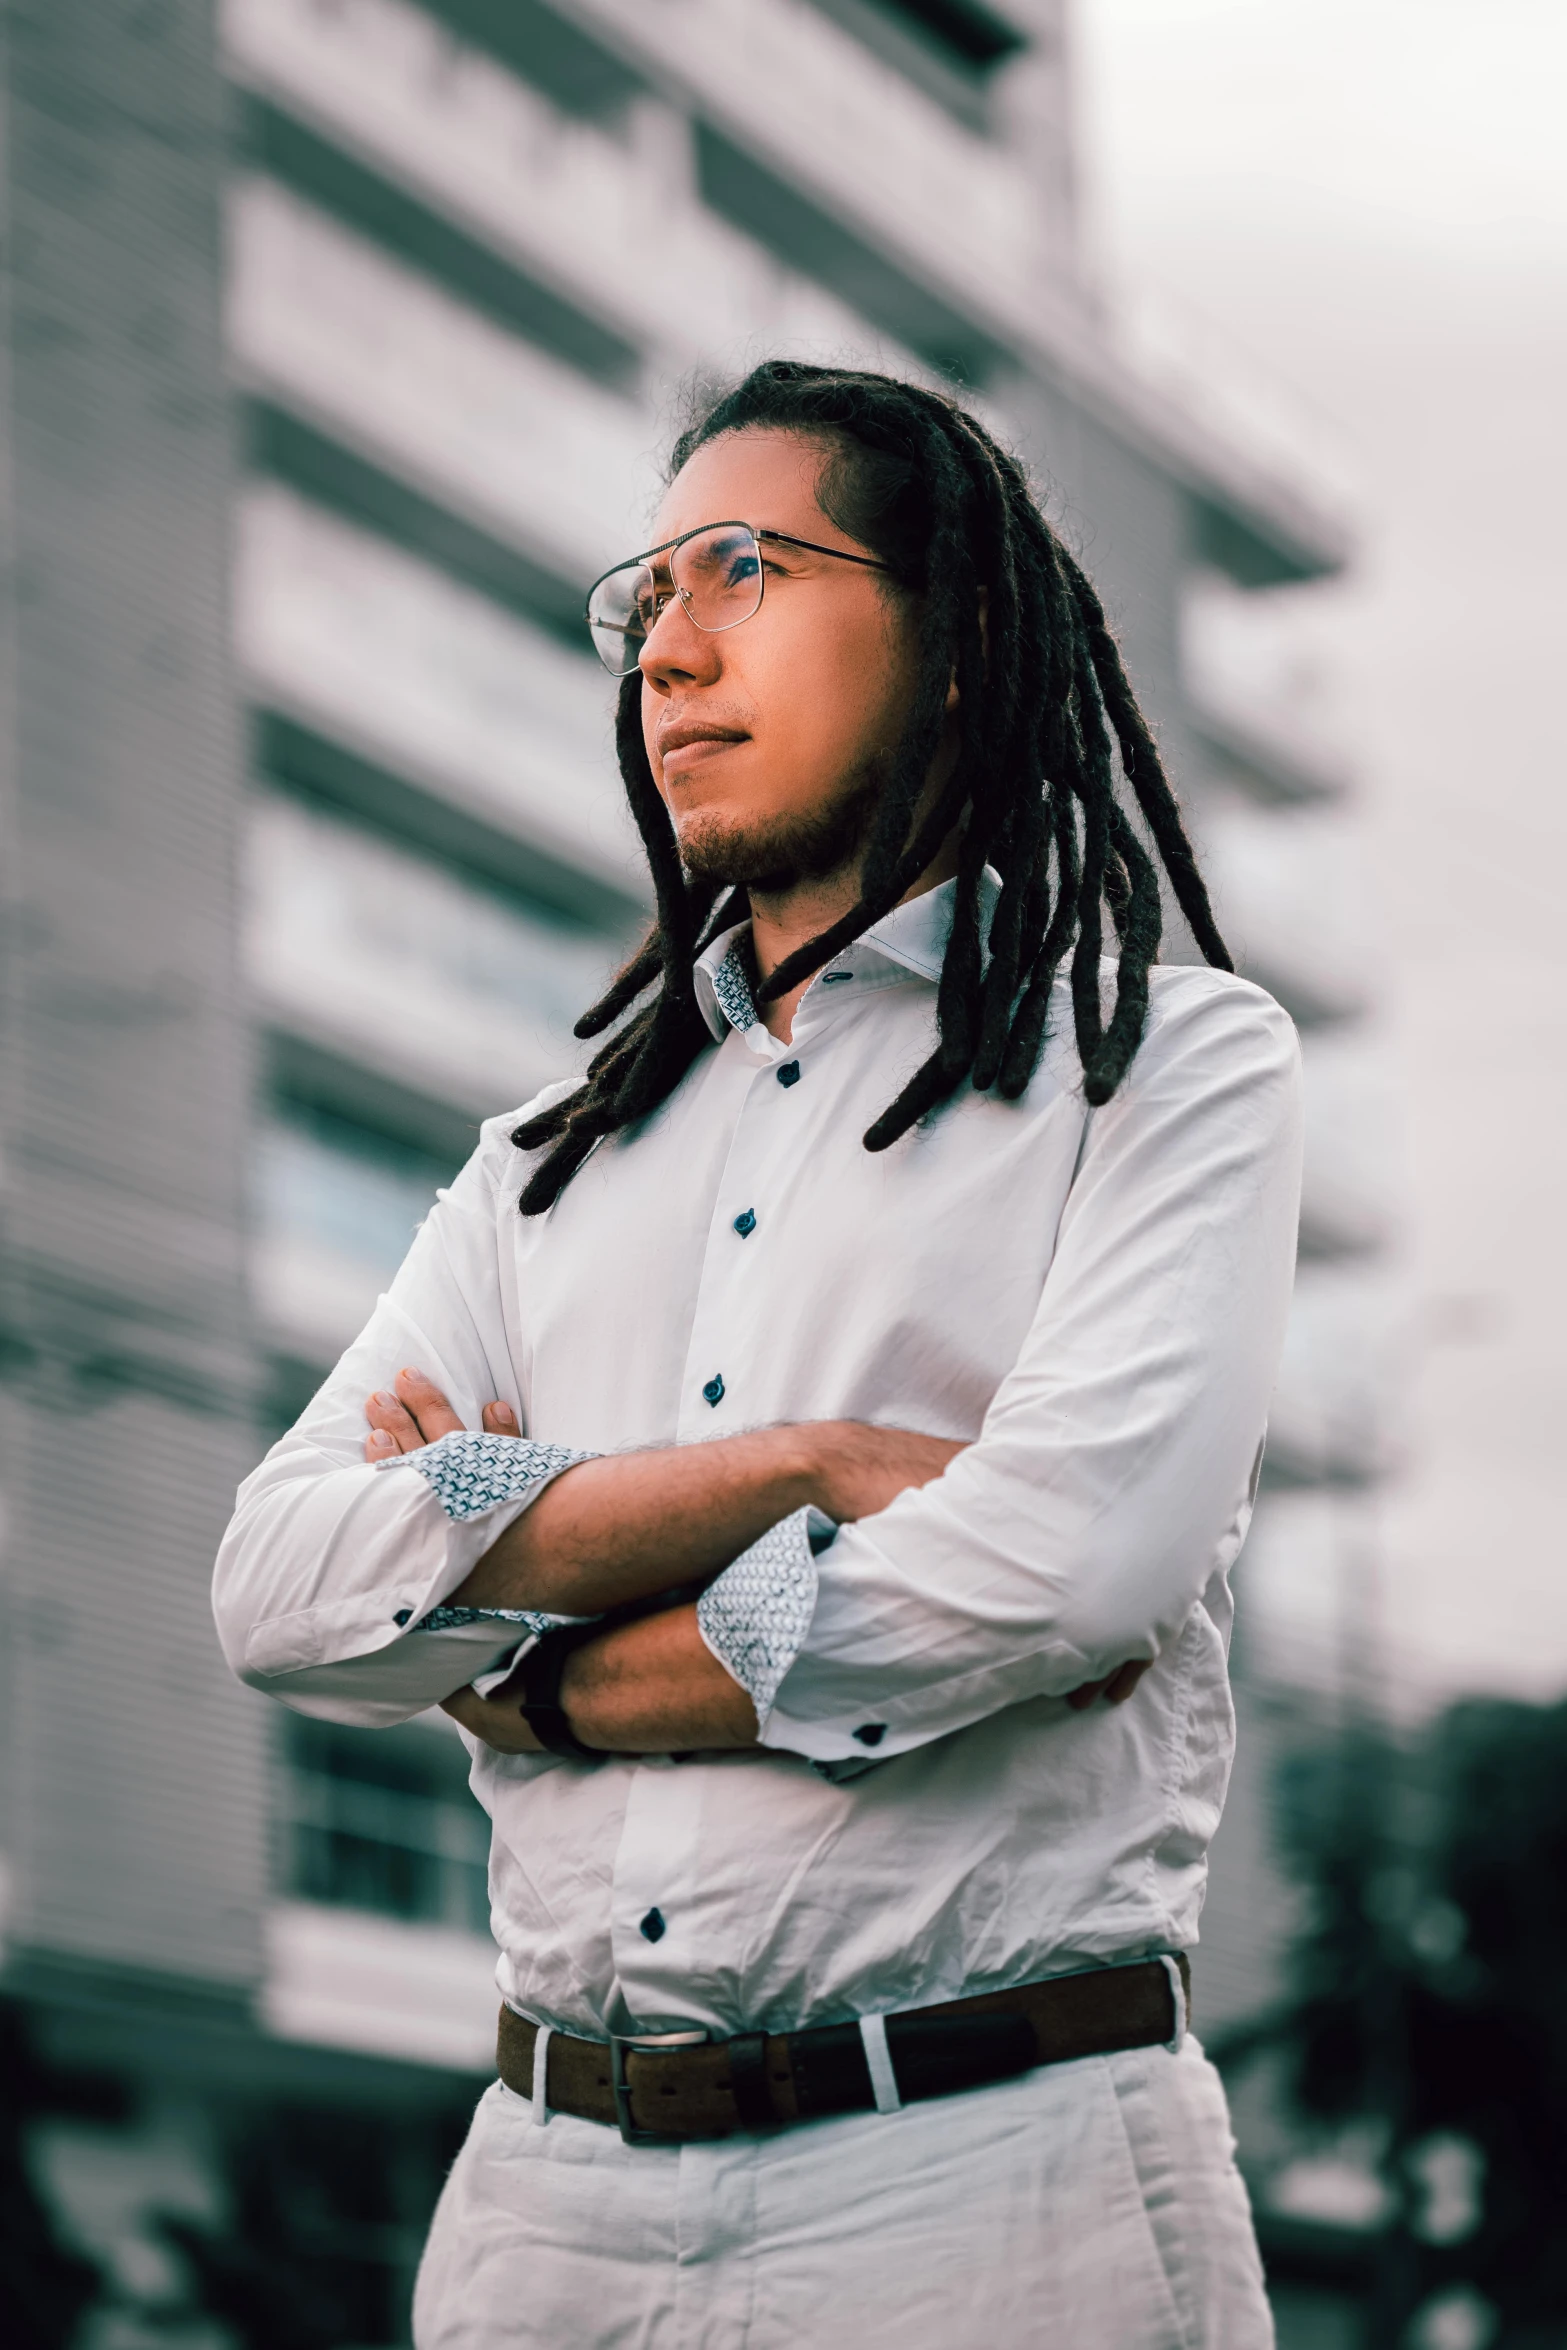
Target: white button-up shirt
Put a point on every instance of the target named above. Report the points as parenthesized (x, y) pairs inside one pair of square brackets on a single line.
[(1095, 1297)]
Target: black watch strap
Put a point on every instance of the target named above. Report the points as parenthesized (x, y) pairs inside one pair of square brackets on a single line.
[(540, 1705)]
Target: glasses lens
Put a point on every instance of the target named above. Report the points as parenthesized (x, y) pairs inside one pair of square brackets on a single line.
[(719, 575), (621, 610)]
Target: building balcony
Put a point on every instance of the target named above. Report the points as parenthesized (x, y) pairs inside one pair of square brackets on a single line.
[(1329, 1423), (736, 208), (791, 88), (331, 328), (353, 1979), (563, 201), (1351, 1191), (459, 994), (357, 643), (336, 1206), (1286, 890), (377, 1939)]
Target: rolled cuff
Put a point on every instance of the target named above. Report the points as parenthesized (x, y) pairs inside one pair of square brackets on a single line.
[(755, 1616), (397, 1644), (477, 1476)]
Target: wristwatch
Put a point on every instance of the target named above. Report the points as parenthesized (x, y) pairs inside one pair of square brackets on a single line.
[(540, 1705)]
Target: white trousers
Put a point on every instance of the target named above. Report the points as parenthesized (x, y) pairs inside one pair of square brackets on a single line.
[(1088, 2206)]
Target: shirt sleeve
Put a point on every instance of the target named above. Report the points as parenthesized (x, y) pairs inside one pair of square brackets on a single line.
[(331, 1583), (1116, 1467)]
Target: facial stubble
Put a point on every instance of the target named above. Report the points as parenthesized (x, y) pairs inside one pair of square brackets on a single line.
[(772, 854)]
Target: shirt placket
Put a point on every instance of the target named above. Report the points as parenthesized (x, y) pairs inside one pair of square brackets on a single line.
[(662, 1964), (713, 1401), (665, 1964)]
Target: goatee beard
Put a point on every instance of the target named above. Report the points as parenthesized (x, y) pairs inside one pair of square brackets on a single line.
[(777, 853)]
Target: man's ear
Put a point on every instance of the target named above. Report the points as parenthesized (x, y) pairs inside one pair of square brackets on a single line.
[(984, 645)]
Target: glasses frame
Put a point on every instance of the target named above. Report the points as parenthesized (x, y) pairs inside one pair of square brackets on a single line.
[(777, 538)]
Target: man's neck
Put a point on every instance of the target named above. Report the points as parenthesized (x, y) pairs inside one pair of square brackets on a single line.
[(784, 920)]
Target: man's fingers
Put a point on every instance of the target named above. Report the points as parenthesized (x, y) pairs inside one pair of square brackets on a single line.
[(487, 1718), (416, 1412), (428, 1407), (393, 1428), (1115, 1688)]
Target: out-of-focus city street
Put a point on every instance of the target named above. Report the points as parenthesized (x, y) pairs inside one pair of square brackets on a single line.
[(342, 344)]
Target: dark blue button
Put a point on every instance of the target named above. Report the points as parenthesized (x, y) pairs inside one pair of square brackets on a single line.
[(402, 1615), (745, 1223), (835, 978), (714, 1390), (871, 1733), (653, 1926), (788, 1072)]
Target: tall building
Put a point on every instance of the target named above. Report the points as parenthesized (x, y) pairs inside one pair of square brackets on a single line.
[(341, 339)]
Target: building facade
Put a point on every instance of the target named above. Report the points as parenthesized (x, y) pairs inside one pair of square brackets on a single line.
[(341, 341)]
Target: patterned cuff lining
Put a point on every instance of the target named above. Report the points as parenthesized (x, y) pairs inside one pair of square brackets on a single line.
[(452, 1619), (755, 1616), (470, 1472)]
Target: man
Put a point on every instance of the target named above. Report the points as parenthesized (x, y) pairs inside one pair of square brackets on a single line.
[(883, 1344)]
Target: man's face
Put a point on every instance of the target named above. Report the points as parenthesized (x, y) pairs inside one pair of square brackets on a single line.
[(769, 741)]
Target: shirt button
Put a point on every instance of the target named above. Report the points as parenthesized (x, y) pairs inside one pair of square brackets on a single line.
[(871, 1733), (835, 978), (652, 1928), (402, 1615), (714, 1389), (745, 1223), (789, 1073)]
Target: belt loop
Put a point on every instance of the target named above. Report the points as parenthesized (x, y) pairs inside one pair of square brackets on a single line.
[(884, 2081), (1171, 1967), (541, 2073)]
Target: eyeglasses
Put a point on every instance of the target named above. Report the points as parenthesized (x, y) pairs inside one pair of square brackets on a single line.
[(716, 571)]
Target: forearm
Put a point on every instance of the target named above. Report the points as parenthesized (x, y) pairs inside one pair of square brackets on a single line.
[(654, 1687), (651, 1687), (635, 1524)]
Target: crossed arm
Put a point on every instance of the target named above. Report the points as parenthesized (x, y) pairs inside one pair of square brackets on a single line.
[(633, 1527)]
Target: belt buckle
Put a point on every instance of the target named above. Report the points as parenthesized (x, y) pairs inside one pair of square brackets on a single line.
[(621, 2044)]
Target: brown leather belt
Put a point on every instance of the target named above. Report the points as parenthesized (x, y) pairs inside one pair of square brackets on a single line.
[(655, 2087)]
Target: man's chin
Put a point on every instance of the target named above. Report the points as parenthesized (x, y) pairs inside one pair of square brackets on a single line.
[(737, 856), (778, 853)]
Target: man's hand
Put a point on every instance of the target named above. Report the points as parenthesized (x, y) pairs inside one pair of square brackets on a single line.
[(413, 1412), (492, 1719)]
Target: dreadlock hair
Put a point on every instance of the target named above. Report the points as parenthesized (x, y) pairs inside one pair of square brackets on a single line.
[(1044, 711)]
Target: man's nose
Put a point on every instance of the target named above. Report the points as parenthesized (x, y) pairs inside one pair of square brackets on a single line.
[(677, 652)]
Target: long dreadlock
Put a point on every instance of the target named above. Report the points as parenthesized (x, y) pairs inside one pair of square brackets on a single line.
[(1042, 697)]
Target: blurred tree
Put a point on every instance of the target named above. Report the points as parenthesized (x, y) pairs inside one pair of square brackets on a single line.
[(1429, 1996), (46, 2287), (325, 2215)]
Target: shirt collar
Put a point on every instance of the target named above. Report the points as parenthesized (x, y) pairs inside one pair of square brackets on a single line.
[(911, 940)]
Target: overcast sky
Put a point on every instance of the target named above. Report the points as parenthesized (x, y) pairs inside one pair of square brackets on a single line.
[(1366, 200)]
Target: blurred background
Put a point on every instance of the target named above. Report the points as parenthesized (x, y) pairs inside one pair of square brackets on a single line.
[(339, 345)]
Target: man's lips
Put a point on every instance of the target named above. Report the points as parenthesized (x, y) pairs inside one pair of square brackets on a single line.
[(694, 741)]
